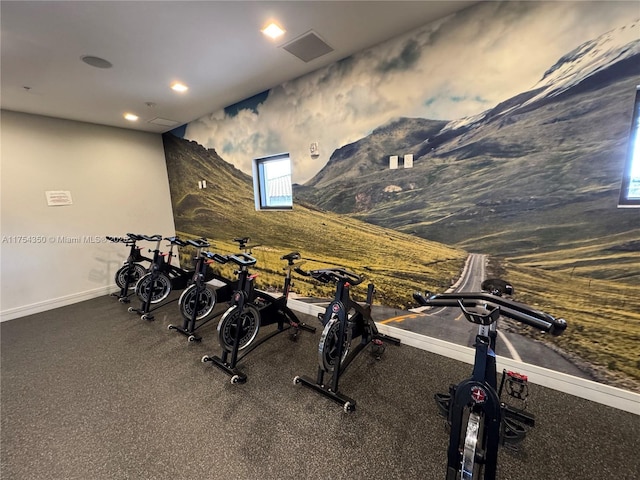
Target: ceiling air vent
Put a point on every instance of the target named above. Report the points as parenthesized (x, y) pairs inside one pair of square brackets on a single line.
[(163, 122), (308, 47)]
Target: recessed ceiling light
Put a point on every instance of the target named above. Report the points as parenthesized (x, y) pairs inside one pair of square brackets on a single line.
[(272, 30), (179, 87), (132, 117)]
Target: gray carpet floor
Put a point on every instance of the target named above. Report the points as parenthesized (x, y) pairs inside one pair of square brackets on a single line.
[(90, 391)]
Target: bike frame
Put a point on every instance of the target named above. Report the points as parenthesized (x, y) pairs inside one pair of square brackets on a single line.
[(264, 309), (198, 285), (358, 324), (134, 258), (161, 268), (479, 394)]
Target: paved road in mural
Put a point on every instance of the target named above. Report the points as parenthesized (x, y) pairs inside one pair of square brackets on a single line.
[(437, 323), (449, 324), (446, 323)]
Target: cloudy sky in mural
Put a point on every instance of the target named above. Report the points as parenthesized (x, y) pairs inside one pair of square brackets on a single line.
[(457, 67)]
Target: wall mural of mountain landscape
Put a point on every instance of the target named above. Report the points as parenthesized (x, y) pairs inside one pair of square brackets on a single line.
[(517, 116)]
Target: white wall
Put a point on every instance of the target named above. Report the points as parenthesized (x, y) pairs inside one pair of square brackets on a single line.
[(118, 183)]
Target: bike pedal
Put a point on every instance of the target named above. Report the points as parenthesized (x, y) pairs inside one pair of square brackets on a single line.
[(517, 385), (513, 432), (443, 400), (295, 331), (377, 348)]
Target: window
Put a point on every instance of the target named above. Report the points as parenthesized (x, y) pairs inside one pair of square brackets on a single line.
[(630, 189), (272, 182)]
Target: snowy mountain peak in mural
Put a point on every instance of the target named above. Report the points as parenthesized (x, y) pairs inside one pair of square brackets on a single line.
[(616, 47), (589, 58)]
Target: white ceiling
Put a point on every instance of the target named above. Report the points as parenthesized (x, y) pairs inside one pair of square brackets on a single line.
[(215, 47)]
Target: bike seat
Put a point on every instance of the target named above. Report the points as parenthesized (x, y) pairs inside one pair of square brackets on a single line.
[(497, 286), (290, 257), (242, 241)]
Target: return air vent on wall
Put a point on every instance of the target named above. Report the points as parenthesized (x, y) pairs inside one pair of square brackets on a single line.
[(308, 47)]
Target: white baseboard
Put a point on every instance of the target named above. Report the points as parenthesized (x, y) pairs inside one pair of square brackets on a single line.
[(24, 310), (579, 387)]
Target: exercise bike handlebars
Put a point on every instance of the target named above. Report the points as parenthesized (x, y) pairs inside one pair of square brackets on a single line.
[(176, 241), (242, 259), (332, 275), (199, 243), (216, 257), (154, 238), (516, 311)]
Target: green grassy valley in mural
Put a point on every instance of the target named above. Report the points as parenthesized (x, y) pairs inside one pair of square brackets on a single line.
[(527, 180), (397, 263)]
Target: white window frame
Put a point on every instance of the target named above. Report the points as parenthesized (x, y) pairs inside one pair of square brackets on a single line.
[(262, 185)]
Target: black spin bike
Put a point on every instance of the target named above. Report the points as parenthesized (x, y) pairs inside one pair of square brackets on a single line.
[(155, 286), (345, 321), (128, 275), (198, 300), (251, 309), (479, 420)]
